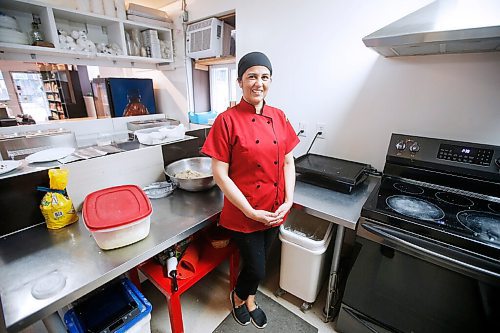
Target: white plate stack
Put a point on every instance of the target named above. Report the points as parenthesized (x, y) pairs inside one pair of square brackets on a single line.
[(9, 31), (152, 43), (151, 16)]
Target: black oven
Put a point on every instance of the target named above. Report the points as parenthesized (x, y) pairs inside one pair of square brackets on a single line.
[(427, 254)]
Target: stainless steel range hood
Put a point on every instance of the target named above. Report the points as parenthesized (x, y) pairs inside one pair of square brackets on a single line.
[(444, 26)]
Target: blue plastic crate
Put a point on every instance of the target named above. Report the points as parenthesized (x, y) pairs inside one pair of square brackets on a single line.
[(201, 118), (75, 325)]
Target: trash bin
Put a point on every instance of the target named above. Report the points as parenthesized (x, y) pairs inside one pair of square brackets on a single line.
[(117, 307), (305, 240)]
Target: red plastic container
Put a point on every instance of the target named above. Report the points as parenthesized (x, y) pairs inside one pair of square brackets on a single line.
[(117, 216)]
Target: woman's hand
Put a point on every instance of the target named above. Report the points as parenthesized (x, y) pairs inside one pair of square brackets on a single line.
[(263, 216), (269, 218), (282, 211)]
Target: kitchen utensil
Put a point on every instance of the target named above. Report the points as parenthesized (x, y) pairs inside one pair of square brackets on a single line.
[(7, 166), (333, 173), (168, 261), (199, 164), (188, 264), (48, 285), (159, 190), (172, 269), (51, 154)]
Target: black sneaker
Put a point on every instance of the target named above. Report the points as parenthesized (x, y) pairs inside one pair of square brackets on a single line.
[(258, 317), (240, 313)]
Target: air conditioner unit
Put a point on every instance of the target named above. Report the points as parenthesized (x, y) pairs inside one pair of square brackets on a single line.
[(208, 38)]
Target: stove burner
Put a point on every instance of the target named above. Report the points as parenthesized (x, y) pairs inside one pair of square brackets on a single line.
[(454, 199), (494, 207), (414, 207), (485, 225), (408, 188)]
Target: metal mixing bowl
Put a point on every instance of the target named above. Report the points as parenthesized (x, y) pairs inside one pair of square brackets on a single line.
[(200, 164)]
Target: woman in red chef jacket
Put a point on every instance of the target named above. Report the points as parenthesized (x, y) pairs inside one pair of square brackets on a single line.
[(252, 162)]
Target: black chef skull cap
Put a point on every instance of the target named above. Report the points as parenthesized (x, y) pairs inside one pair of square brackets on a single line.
[(253, 59)]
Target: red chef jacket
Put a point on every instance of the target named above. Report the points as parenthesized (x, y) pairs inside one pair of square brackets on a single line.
[(254, 146)]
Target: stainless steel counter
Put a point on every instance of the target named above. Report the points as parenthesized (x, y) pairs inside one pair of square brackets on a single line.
[(26, 167), (29, 255), (34, 167), (339, 208)]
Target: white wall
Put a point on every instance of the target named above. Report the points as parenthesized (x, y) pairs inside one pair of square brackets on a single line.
[(169, 87), (322, 72)]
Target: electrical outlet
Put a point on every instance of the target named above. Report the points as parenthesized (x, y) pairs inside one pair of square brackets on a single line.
[(321, 127), (302, 129)]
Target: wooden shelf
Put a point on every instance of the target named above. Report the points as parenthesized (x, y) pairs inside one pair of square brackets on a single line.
[(134, 24), (83, 17), (51, 16), (202, 64), (216, 61)]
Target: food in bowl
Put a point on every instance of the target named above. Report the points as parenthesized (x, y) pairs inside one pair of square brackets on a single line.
[(202, 165), (191, 174)]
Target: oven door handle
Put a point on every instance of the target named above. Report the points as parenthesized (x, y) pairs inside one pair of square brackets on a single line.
[(397, 238)]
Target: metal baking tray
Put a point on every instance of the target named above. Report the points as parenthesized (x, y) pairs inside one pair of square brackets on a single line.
[(329, 172)]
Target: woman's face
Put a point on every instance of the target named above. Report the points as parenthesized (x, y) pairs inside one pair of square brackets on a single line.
[(255, 83)]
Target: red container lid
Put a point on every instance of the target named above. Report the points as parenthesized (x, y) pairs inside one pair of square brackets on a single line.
[(115, 206)]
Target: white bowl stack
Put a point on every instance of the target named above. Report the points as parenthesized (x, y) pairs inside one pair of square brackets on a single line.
[(9, 31)]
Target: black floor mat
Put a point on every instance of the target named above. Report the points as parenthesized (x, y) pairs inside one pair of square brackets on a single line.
[(279, 319)]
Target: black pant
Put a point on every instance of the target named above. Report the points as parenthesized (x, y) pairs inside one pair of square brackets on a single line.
[(254, 248)]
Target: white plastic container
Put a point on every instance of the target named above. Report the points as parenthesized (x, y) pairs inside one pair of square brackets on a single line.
[(117, 216), (304, 243), (160, 135), (143, 326)]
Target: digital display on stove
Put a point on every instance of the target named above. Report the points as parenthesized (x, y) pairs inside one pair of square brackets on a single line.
[(470, 155)]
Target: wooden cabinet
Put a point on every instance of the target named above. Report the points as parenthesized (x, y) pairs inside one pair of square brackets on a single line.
[(99, 28)]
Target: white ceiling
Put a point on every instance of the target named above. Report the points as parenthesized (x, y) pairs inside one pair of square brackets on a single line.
[(152, 3)]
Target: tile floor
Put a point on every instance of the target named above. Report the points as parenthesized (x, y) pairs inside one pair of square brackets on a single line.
[(206, 304)]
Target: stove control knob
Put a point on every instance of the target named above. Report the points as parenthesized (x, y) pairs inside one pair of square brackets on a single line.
[(414, 147), (401, 145)]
